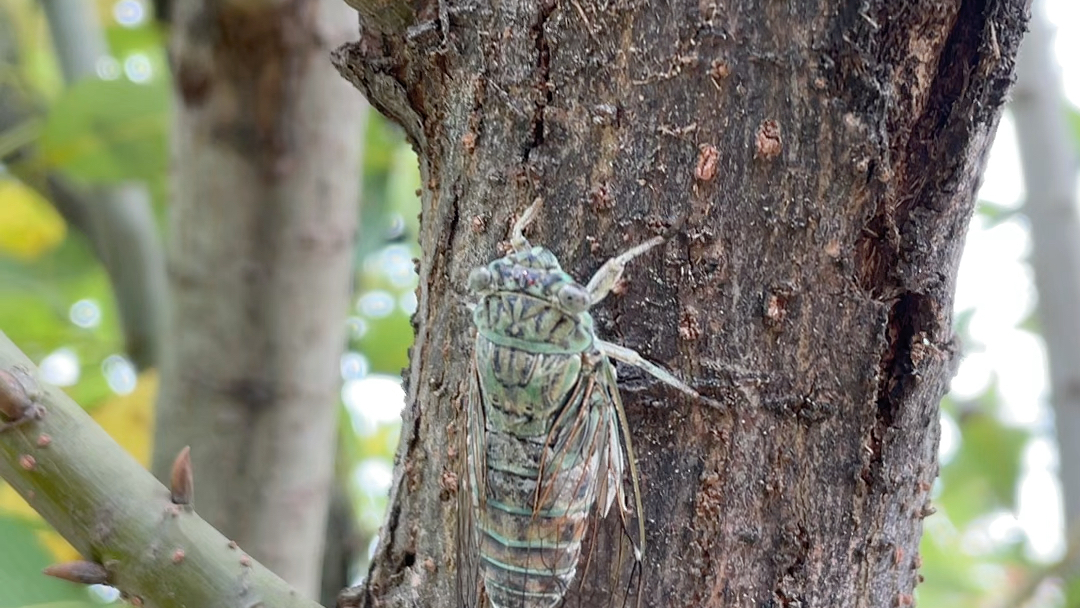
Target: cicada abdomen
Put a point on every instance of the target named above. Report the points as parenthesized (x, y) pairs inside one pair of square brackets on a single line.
[(541, 481), (547, 442)]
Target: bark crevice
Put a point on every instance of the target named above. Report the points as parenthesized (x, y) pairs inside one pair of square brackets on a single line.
[(544, 93)]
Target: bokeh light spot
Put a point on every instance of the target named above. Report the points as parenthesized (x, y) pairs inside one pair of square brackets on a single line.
[(376, 304), (85, 313), (103, 594), (356, 327), (120, 374), (60, 367), (129, 13), (373, 400), (354, 366), (407, 302), (374, 477), (137, 68), (107, 68)]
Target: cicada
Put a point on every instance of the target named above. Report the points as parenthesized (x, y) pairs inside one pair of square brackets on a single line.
[(547, 442)]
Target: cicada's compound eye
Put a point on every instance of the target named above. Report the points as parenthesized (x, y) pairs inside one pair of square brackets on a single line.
[(573, 298), (479, 279)]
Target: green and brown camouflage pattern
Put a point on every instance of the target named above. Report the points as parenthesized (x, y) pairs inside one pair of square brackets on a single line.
[(547, 442), (544, 447)]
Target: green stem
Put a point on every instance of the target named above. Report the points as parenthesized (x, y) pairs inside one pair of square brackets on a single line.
[(115, 513)]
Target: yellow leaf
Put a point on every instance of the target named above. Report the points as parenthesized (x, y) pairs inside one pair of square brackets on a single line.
[(59, 548), (11, 502), (29, 226)]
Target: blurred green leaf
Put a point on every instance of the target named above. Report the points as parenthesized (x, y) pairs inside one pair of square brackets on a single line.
[(387, 340), (1031, 323), (947, 570), (1072, 592), (404, 185), (35, 304), (983, 475), (65, 605), (146, 38), (386, 344), (21, 561), (108, 131), (994, 214), (381, 139), (1072, 115)]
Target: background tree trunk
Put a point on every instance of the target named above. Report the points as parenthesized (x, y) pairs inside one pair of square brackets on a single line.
[(266, 144), (825, 157), (1048, 156)]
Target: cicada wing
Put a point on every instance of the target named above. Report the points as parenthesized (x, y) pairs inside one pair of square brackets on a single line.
[(471, 492), (621, 450), (611, 566)]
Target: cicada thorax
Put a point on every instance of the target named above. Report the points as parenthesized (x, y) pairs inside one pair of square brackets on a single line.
[(547, 463)]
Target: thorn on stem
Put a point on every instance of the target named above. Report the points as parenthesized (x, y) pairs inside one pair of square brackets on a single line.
[(182, 481), (19, 395), (80, 571)]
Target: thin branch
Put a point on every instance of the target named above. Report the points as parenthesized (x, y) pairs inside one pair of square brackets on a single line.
[(77, 37), (120, 225), (346, 544), (118, 221), (113, 511)]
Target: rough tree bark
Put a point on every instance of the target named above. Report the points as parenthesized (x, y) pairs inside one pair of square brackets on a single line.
[(825, 157), (267, 143)]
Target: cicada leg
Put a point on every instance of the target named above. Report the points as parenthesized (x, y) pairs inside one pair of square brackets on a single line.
[(632, 357), (601, 283), (517, 233)]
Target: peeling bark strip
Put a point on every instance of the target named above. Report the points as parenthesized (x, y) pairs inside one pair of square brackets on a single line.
[(810, 291)]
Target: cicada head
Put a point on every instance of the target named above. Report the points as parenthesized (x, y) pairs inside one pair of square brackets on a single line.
[(531, 285)]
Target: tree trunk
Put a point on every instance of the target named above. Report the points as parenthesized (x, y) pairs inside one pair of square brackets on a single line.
[(824, 158), (267, 142), (1048, 156)]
